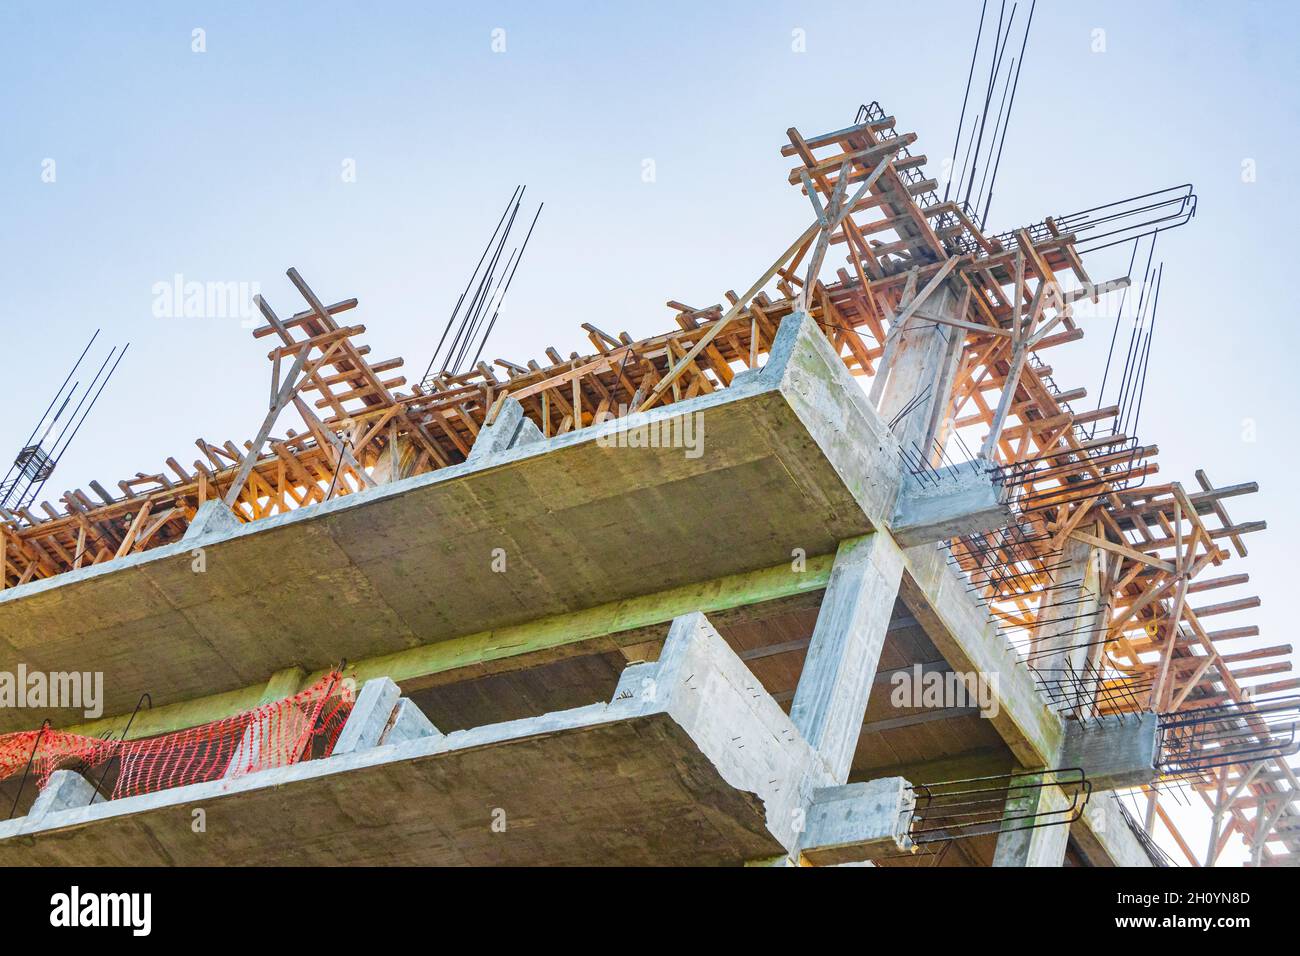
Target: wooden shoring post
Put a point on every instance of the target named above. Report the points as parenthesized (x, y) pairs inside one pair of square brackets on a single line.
[(1009, 386), (829, 219), (1265, 820), (1216, 817), (1158, 687), (675, 372), (1178, 837), (1149, 821), (287, 390), (141, 516), (326, 437)]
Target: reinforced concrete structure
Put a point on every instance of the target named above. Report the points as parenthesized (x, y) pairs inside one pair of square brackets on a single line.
[(831, 573)]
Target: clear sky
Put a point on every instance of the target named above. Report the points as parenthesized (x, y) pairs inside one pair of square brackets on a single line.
[(227, 165)]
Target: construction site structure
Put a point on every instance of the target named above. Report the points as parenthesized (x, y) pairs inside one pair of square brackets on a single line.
[(652, 604)]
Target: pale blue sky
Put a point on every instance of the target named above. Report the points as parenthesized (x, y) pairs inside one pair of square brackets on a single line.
[(225, 166)]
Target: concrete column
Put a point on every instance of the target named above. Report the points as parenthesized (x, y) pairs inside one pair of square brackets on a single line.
[(511, 429), (395, 461), (927, 354), (1018, 845), (1067, 626), (369, 718), (830, 702), (65, 790)]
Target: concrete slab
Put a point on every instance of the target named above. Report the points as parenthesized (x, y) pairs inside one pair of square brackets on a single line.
[(793, 456), (634, 792), (689, 764)]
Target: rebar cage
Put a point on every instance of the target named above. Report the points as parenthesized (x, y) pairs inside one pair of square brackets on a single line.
[(1002, 803), (1192, 742)]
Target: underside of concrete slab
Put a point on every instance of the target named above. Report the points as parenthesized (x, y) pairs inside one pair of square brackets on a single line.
[(540, 529)]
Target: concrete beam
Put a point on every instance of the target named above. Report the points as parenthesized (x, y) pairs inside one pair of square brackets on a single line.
[(1104, 837), (858, 821), (831, 405), (958, 502), (830, 702), (65, 790), (214, 519), (370, 716), (1114, 753), (968, 639), (408, 723), (486, 652)]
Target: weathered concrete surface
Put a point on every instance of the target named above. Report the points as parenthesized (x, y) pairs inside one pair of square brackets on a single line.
[(617, 626), (65, 790), (962, 631), (830, 701), (370, 716), (214, 519), (1020, 843), (1104, 836), (960, 501), (841, 427), (858, 822), (1113, 753), (793, 456), (968, 639), (687, 765)]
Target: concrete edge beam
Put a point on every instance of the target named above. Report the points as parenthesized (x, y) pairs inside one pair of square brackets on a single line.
[(1113, 753), (408, 723), (960, 501), (857, 822), (65, 790), (1104, 837)]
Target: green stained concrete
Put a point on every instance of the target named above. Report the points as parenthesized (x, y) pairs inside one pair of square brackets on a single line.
[(518, 645)]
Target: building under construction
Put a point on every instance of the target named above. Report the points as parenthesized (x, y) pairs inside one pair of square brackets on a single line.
[(653, 603)]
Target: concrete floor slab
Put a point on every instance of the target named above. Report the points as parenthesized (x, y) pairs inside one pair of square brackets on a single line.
[(688, 764), (411, 563), (629, 792)]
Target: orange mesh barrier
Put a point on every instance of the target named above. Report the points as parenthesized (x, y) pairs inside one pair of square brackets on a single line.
[(300, 727)]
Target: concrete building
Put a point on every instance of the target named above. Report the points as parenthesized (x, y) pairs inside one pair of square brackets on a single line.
[(726, 596)]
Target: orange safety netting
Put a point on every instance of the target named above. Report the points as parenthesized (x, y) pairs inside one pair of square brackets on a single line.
[(300, 727)]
